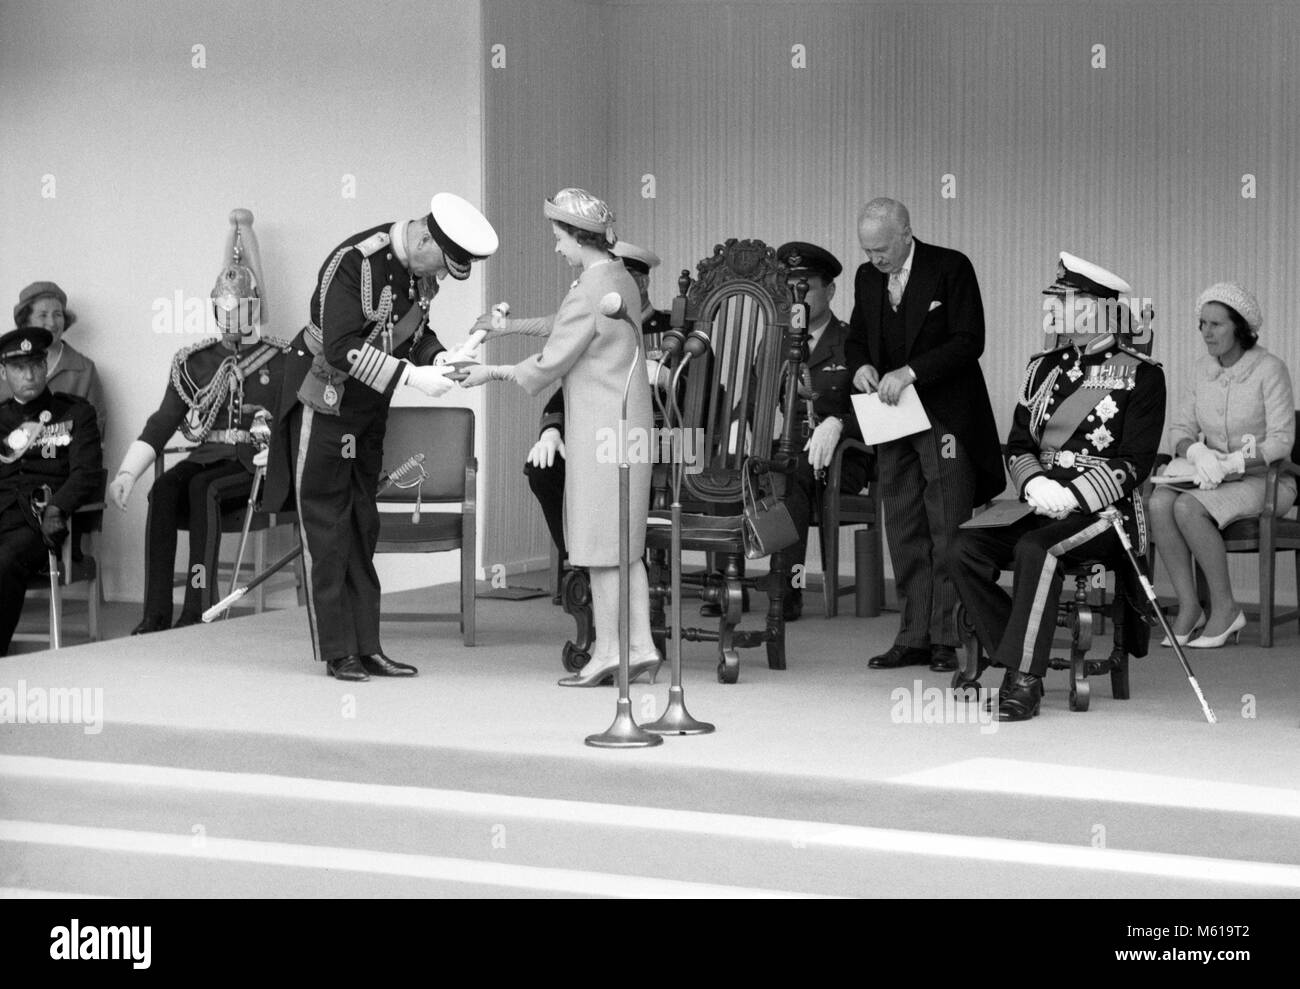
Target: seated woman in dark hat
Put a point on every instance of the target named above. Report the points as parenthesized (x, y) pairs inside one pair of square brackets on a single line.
[(592, 355), (1237, 412), (44, 304)]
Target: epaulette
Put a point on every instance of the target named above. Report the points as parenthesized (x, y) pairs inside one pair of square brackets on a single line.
[(373, 243), (1138, 354), (184, 353), (277, 343)]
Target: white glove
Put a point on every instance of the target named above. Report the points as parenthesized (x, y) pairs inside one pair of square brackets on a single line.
[(821, 445), (260, 457), (1233, 463), (138, 459), (1048, 497), (548, 446), (1208, 467), (431, 379)]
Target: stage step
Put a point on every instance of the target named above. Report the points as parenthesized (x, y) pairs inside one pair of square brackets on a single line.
[(111, 828)]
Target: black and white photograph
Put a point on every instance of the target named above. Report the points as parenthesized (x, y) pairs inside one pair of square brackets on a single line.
[(651, 449)]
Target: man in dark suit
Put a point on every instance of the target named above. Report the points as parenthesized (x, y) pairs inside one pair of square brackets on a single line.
[(918, 320)]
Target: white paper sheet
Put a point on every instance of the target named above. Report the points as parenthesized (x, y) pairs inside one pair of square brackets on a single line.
[(881, 423)]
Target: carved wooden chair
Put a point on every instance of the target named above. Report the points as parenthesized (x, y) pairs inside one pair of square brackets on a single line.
[(741, 301)]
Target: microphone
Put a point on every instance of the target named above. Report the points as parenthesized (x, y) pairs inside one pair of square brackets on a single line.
[(611, 305)]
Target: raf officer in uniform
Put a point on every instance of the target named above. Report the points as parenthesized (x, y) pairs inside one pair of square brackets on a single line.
[(217, 391), (545, 466), (1084, 436), (368, 334), (824, 406), (50, 465)]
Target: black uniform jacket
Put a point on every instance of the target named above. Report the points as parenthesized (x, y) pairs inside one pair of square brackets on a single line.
[(66, 455), (262, 368), (360, 288)]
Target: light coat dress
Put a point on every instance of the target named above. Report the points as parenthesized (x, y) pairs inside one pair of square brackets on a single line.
[(1250, 402), (590, 353)]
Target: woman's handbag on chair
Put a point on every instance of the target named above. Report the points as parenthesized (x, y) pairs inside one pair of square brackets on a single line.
[(767, 527)]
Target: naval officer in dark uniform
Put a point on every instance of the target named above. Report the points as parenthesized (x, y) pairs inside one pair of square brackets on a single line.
[(1084, 436), (824, 406), (217, 391), (50, 465), (368, 334)]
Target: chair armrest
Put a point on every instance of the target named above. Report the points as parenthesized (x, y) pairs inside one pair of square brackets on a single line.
[(836, 470), (1274, 474), (90, 506)]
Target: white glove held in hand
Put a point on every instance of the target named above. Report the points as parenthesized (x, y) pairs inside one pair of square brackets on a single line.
[(1209, 469), (432, 379), (1048, 497), (138, 459), (260, 458), (1233, 463), (821, 445), (548, 445)]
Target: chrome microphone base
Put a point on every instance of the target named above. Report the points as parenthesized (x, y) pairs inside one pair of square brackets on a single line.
[(624, 733), (676, 720)]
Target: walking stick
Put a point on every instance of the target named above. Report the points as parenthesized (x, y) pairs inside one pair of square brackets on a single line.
[(1116, 520), (395, 476)]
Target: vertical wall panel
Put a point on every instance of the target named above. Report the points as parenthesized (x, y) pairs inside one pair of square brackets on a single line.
[(546, 123)]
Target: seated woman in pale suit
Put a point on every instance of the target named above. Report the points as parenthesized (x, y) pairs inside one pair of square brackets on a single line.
[(1238, 412), (591, 353)]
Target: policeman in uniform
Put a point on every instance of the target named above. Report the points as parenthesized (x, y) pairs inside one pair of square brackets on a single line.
[(368, 334), (1084, 436), (545, 466), (50, 465), (218, 389), (824, 406)]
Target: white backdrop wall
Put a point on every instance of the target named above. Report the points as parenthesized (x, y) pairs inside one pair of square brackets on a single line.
[(322, 118)]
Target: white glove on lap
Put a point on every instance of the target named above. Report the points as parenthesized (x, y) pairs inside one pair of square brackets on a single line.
[(821, 445), (548, 446), (1233, 463), (1048, 497), (432, 380), (1209, 469)]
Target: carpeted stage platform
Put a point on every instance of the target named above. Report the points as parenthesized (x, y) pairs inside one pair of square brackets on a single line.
[(228, 764)]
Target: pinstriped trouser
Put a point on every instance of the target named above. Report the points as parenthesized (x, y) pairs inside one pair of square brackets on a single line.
[(927, 486), (1017, 630)]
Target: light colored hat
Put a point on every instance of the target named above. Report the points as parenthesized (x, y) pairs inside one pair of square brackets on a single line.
[(579, 208), (1235, 297), (462, 232), (38, 290), (636, 258), (1074, 274)]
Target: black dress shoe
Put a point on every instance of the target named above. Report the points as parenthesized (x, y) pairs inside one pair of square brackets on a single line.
[(347, 668), (900, 656), (943, 659), (381, 666), (152, 625), (185, 620), (1020, 696), (792, 606)]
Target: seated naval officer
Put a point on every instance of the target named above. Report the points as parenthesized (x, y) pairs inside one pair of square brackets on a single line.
[(545, 462), (824, 407), (217, 391), (50, 465), (1083, 437)]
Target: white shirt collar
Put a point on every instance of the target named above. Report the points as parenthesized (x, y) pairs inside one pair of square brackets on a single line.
[(397, 237), (905, 272)]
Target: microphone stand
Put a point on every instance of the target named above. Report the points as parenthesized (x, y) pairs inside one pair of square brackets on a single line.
[(624, 732), (676, 720)]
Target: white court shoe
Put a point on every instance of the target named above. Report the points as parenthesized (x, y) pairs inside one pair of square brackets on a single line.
[(1215, 641), (1184, 639)]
